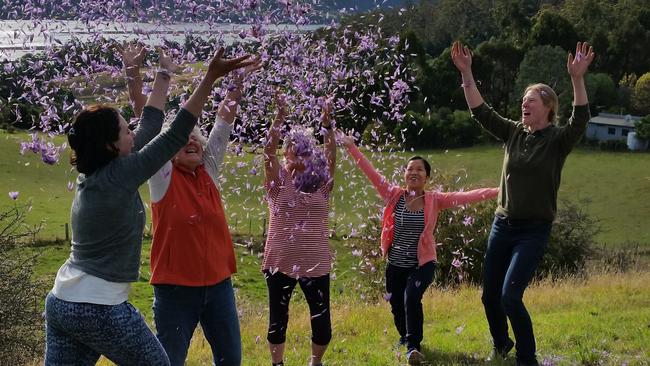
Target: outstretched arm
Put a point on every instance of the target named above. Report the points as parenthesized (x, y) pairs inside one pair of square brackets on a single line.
[(228, 107), (145, 130), (577, 124), (218, 67), (271, 162), (383, 187), (158, 96), (453, 199), (485, 116), (462, 58), (329, 138), (132, 57), (226, 112), (577, 67)]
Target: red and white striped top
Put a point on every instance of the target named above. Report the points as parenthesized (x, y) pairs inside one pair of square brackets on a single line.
[(297, 242)]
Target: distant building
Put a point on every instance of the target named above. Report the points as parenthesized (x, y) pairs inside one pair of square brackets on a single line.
[(607, 126)]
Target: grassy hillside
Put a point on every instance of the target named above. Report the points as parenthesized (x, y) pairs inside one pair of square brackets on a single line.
[(602, 321), (617, 184)]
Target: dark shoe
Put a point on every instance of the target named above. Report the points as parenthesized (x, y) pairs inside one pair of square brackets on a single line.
[(501, 353), (400, 343), (414, 357), (535, 363)]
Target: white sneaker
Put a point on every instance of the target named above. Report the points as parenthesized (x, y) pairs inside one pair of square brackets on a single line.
[(414, 357)]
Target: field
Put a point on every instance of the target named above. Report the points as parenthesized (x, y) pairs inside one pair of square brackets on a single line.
[(616, 185), (603, 319)]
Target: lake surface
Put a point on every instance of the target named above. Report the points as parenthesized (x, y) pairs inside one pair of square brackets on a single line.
[(19, 37)]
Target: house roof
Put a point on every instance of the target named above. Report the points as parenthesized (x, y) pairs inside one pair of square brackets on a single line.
[(614, 120)]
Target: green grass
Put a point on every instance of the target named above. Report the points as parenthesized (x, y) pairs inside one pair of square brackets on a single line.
[(602, 321), (617, 184)]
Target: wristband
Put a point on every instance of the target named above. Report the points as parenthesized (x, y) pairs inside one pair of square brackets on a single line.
[(164, 72)]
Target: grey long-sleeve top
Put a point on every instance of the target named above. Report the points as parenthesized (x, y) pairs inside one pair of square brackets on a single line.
[(107, 213)]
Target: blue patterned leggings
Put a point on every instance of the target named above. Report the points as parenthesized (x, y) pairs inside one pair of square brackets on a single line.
[(78, 333)]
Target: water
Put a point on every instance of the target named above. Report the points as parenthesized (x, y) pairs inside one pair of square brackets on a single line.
[(19, 37)]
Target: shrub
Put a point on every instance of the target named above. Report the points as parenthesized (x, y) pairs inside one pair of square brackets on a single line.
[(642, 128), (572, 241), (21, 324)]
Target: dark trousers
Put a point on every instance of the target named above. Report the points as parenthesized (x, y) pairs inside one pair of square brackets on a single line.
[(513, 253), (406, 286), (317, 294)]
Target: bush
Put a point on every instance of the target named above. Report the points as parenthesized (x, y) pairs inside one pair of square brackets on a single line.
[(642, 128), (572, 241), (21, 324)]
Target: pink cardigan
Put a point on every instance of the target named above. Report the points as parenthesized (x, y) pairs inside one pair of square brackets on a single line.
[(434, 202)]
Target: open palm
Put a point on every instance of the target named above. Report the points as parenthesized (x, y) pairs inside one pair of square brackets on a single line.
[(461, 57), (577, 65)]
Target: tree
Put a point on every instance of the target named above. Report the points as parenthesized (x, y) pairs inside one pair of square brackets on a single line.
[(628, 51), (545, 64), (495, 64), (601, 90), (553, 29), (511, 18), (593, 21), (641, 96), (625, 91), (642, 127), (446, 82)]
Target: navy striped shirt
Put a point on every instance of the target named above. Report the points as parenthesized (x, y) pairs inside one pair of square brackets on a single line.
[(408, 228)]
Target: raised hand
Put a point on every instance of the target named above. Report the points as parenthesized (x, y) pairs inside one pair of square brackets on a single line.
[(461, 57), (327, 110), (220, 67), (577, 65), (132, 54), (281, 111), (241, 74), (345, 140), (166, 62)]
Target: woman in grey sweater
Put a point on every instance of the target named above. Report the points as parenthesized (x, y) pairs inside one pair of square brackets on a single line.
[(87, 312)]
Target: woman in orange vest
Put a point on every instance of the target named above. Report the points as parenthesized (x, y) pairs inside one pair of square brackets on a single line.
[(192, 254)]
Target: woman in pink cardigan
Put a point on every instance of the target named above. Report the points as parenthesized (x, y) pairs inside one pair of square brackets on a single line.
[(407, 240)]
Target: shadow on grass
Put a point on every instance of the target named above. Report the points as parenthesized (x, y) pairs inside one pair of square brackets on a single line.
[(437, 357)]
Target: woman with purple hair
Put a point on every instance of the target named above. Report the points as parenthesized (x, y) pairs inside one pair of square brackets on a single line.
[(297, 247)]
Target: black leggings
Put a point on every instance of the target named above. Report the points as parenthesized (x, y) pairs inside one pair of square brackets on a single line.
[(317, 294)]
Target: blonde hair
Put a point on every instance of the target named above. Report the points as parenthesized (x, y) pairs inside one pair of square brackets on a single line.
[(549, 98)]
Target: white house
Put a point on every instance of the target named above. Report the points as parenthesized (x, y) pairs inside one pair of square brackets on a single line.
[(607, 126)]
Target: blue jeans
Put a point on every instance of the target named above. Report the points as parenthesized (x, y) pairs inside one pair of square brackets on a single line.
[(78, 333), (514, 250), (406, 287), (177, 311)]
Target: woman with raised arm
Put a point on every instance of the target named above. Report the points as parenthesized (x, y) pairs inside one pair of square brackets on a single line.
[(407, 240), (87, 311), (297, 247), (535, 153), (192, 254)]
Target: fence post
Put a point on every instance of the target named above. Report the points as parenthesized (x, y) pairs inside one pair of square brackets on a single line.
[(67, 232), (264, 227)]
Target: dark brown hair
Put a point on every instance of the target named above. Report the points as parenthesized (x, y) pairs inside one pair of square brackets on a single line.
[(427, 166), (92, 137)]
